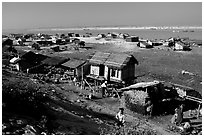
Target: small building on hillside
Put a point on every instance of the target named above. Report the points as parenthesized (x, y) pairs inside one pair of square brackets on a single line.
[(14, 63), (112, 35), (101, 35), (179, 46), (75, 68), (123, 36), (54, 61), (157, 43), (26, 60), (70, 34), (35, 46), (77, 35), (55, 48), (114, 67), (8, 42), (44, 42), (4, 37), (7, 48), (144, 44), (132, 39), (16, 36)]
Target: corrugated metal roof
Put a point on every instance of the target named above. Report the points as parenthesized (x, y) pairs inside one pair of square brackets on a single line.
[(73, 63)]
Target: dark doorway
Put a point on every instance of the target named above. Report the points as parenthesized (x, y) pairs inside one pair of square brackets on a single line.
[(101, 70)]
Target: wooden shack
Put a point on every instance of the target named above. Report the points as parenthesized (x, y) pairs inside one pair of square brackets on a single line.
[(75, 67), (132, 39), (165, 97), (144, 44), (179, 46), (114, 67), (135, 95), (28, 60)]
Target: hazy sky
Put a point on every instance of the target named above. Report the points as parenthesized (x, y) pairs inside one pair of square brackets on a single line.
[(40, 15)]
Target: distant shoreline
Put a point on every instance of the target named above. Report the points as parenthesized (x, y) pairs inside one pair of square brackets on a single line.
[(118, 28), (106, 28)]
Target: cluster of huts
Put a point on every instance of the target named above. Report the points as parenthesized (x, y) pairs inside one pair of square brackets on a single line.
[(116, 68), (113, 35), (113, 67), (40, 40), (176, 43), (36, 41)]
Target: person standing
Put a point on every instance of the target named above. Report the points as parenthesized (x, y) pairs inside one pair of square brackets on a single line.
[(175, 117), (120, 117), (104, 88), (75, 81), (180, 115), (149, 106)]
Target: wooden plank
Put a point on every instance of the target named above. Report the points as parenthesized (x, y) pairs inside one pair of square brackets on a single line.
[(194, 99), (89, 86)]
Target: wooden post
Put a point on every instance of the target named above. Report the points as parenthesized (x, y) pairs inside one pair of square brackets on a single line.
[(82, 72), (82, 77), (95, 85), (89, 86), (198, 111), (117, 93)]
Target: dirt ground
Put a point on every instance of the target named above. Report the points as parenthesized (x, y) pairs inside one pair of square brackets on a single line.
[(71, 113), (158, 63)]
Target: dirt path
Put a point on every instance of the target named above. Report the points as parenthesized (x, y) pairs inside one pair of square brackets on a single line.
[(102, 106)]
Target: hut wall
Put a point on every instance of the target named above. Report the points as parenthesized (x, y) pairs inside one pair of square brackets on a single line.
[(79, 72), (106, 72), (128, 72), (142, 45), (132, 39), (23, 65), (94, 70), (178, 46), (86, 69), (116, 74), (135, 100)]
